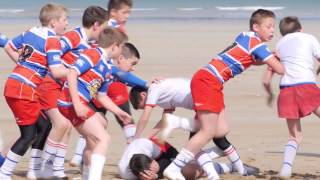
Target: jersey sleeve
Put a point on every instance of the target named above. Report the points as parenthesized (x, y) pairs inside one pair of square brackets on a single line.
[(17, 42), (53, 51), (153, 95), (69, 40), (87, 60), (261, 52), (128, 78), (3, 40)]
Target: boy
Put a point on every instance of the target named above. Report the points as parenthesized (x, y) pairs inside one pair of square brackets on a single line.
[(40, 53), (94, 20), (3, 42), (170, 94), (299, 95), (207, 84), (118, 12), (147, 158), (89, 78)]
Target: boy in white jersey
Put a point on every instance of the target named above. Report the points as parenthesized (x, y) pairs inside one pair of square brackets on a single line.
[(299, 95), (170, 94), (146, 159)]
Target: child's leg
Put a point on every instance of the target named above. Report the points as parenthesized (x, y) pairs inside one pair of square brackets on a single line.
[(19, 148), (208, 128), (295, 138), (78, 154), (101, 139)]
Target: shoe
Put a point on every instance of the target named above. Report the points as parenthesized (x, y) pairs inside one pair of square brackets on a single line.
[(60, 175), (283, 175), (76, 161), (4, 177), (172, 174), (40, 174), (167, 125), (250, 170)]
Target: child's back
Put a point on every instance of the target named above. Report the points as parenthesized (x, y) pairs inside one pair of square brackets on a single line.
[(297, 52)]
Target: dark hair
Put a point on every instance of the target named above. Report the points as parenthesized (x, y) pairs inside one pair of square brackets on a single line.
[(258, 15), (94, 14), (134, 96), (117, 4), (139, 162), (129, 50), (289, 24)]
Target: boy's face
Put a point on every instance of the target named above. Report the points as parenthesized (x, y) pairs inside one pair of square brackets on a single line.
[(116, 50), (265, 29), (97, 29), (60, 25), (121, 15), (127, 64)]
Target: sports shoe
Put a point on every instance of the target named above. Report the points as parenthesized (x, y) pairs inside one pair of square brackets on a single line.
[(4, 177)]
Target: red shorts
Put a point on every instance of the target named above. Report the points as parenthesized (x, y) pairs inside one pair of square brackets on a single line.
[(207, 92), (71, 115), (118, 92), (25, 112), (49, 91), (298, 101)]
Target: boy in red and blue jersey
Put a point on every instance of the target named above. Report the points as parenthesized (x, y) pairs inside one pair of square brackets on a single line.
[(207, 84), (41, 52)]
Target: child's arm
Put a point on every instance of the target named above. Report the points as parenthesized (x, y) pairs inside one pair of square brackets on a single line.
[(267, 78), (107, 103), (59, 71), (13, 54), (143, 121), (80, 109), (128, 78)]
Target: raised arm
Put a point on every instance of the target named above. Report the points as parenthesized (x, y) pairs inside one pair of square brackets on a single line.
[(144, 119)]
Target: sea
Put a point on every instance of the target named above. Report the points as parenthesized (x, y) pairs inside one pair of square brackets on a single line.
[(168, 10)]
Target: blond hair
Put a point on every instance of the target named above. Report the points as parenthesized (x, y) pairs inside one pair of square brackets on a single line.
[(110, 36), (51, 11)]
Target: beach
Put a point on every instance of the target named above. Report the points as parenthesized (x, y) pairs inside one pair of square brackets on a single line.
[(178, 49)]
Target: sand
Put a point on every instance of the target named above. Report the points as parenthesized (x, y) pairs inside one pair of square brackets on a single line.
[(178, 49)]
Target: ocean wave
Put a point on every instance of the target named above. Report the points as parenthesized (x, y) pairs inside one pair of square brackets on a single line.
[(11, 10), (189, 9), (248, 8)]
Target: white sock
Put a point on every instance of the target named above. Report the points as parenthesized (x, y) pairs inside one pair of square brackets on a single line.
[(289, 156), (80, 148), (58, 162), (96, 166), (182, 159), (10, 163), (233, 156), (35, 160), (181, 123), (49, 151), (85, 172), (214, 152), (205, 162), (129, 131)]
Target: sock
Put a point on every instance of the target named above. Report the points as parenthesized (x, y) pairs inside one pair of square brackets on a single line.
[(180, 122), (129, 131), (79, 149), (188, 124), (205, 162), (214, 152), (1, 160), (222, 168), (96, 166), (58, 162), (10, 163), (35, 160), (49, 151), (85, 172), (233, 156), (289, 155), (182, 159)]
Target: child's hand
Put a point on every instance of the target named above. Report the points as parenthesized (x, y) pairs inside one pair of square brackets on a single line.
[(155, 80), (148, 175), (81, 110), (125, 117)]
